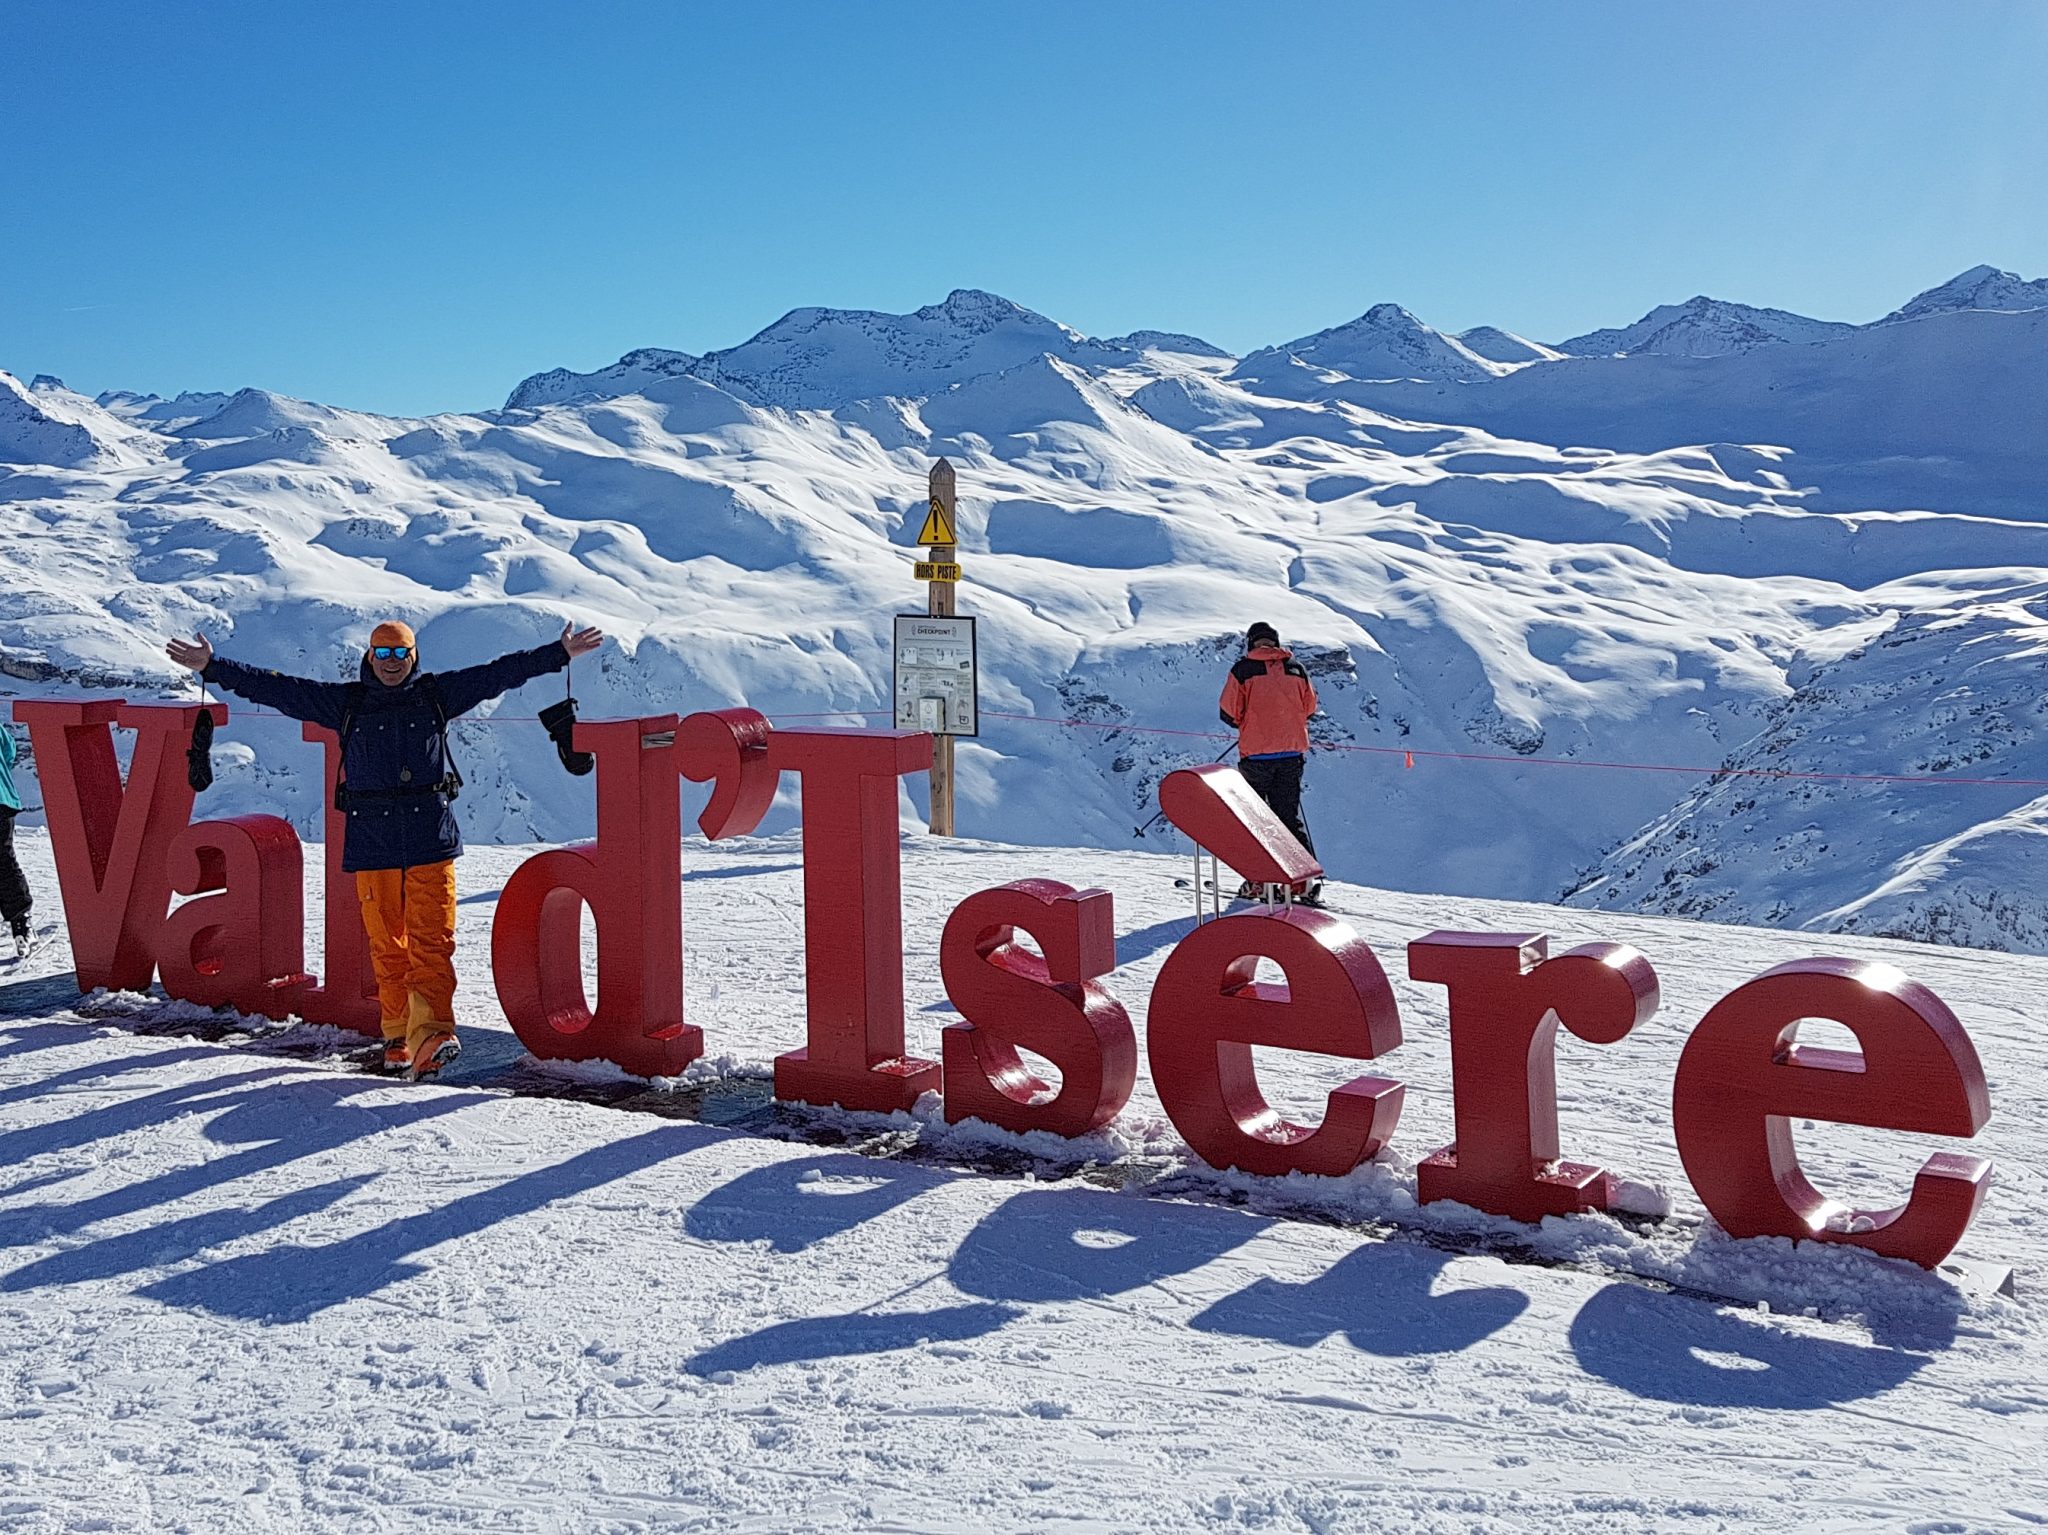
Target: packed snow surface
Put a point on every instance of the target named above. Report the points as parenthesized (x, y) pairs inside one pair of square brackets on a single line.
[(1545, 599), (244, 1289)]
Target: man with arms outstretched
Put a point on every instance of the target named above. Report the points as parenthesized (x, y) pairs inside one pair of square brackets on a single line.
[(398, 789)]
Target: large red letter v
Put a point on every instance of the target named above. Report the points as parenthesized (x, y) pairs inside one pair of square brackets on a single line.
[(109, 841)]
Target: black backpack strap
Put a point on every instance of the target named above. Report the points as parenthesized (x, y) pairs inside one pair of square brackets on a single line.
[(451, 779)]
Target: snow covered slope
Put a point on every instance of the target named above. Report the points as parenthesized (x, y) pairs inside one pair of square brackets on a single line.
[(1505, 575), (1497, 345), (245, 1289), (1930, 688)]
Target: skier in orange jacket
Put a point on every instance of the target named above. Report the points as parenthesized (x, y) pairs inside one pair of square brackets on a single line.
[(1267, 699)]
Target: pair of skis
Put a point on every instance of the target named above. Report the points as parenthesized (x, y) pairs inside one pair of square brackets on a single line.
[(1270, 895)]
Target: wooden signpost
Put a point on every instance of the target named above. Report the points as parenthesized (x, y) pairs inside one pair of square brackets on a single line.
[(939, 575)]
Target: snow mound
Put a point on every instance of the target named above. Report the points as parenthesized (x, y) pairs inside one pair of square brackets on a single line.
[(286, 445), (258, 412), (1497, 345), (1170, 342)]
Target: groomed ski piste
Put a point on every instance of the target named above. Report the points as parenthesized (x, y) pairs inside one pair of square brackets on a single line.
[(248, 1287)]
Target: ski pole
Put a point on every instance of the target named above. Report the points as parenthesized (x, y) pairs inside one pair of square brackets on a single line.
[(1139, 831)]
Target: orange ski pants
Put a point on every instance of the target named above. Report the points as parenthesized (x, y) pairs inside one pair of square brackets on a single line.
[(409, 915)]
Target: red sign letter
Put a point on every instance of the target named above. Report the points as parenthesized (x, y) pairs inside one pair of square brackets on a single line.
[(1506, 1002), (1052, 1005), (246, 946), (1743, 1078), (631, 877), (853, 919), (1207, 1012), (1224, 815), (349, 999), (110, 842)]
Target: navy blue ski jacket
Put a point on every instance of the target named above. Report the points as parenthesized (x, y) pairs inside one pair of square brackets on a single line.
[(394, 744)]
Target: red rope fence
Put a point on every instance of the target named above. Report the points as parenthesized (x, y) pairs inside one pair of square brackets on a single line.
[(1408, 754)]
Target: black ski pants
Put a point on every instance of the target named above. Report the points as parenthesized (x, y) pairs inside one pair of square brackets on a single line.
[(1278, 782), (14, 896)]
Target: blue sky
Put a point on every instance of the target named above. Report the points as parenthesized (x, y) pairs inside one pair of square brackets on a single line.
[(409, 206)]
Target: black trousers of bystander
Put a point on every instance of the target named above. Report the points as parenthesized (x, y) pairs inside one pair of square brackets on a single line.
[(14, 896), (1278, 782)]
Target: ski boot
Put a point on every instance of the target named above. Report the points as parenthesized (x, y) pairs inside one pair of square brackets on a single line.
[(435, 1051), (397, 1057)]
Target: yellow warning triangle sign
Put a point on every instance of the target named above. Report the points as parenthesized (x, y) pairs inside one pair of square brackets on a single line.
[(936, 529)]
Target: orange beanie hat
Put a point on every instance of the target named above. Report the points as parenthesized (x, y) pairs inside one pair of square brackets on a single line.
[(392, 632)]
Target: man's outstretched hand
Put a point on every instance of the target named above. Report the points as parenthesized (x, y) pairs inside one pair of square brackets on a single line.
[(580, 642), (192, 654)]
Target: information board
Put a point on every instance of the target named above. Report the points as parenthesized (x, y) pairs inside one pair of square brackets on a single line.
[(938, 675)]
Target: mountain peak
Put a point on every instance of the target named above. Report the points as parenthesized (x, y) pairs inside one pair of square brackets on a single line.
[(1981, 287), (1385, 342), (978, 311), (36, 430), (1703, 326), (1166, 341)]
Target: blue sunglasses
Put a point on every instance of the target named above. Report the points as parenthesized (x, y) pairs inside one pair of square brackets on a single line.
[(392, 652)]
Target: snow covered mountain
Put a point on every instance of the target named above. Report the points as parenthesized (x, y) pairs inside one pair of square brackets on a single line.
[(1504, 573), (1982, 287), (1167, 341), (1940, 687), (161, 415), (819, 358), (45, 423), (1703, 327), (33, 433), (630, 374), (1384, 342)]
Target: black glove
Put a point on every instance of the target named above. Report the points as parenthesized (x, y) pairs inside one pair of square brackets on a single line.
[(560, 723), (199, 755)]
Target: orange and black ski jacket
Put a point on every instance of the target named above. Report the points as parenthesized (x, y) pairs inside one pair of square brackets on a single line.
[(1267, 700)]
